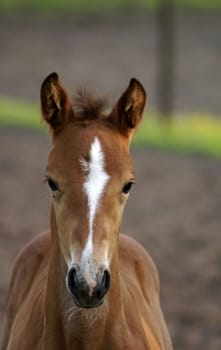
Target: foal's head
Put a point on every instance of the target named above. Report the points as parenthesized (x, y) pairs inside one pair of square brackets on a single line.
[(90, 174)]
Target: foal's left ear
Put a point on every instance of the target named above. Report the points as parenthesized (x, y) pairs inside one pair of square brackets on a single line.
[(55, 103), (128, 111)]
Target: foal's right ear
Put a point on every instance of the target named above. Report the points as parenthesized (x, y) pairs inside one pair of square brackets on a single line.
[(55, 103)]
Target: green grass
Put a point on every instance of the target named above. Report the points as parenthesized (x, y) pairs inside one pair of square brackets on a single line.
[(199, 4), (19, 113), (188, 134), (58, 6)]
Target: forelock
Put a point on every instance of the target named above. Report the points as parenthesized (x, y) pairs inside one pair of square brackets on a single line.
[(88, 107)]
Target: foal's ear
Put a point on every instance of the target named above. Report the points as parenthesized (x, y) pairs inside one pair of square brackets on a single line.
[(55, 103), (128, 111)]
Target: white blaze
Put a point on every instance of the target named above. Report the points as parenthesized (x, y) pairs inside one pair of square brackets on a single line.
[(94, 186)]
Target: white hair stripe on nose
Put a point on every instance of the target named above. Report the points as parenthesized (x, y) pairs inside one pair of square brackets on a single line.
[(94, 186)]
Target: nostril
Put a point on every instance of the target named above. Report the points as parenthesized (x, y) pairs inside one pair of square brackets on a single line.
[(98, 293), (106, 280), (72, 278)]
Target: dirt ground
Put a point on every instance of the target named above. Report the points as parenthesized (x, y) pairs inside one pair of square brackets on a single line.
[(174, 209)]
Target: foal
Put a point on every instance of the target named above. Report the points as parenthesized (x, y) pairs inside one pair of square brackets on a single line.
[(82, 286)]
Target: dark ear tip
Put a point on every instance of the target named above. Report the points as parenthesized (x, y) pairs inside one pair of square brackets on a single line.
[(134, 81), (53, 77), (136, 84)]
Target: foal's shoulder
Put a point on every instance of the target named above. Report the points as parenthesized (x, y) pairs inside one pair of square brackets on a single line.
[(138, 260), (34, 252), (31, 259), (27, 264)]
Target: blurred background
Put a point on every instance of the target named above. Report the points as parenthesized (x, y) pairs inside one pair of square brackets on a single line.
[(174, 48)]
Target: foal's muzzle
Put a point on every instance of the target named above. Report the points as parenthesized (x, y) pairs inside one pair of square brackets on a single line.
[(88, 292)]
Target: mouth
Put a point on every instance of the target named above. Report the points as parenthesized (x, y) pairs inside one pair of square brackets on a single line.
[(88, 305)]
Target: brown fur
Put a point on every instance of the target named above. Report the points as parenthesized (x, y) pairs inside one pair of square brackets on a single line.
[(40, 312)]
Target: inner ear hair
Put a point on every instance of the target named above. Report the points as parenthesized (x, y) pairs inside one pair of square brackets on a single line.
[(128, 111), (54, 101)]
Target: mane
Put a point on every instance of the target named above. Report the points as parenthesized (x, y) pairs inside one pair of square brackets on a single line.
[(88, 107)]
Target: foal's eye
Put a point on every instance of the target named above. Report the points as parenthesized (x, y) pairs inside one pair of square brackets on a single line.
[(52, 185), (127, 187)]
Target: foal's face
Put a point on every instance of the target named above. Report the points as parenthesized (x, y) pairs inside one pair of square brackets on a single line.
[(90, 173)]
